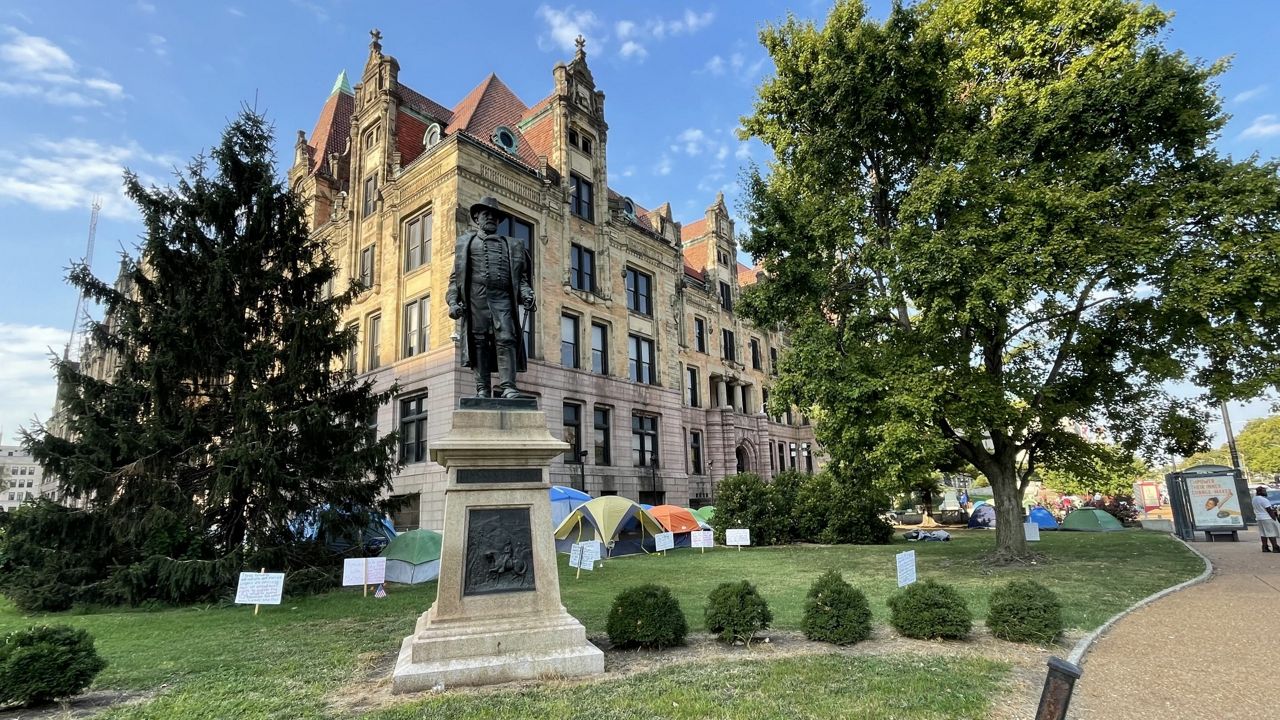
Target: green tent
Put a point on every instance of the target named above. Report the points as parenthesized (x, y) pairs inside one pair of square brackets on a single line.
[(705, 513), (1091, 520), (413, 557)]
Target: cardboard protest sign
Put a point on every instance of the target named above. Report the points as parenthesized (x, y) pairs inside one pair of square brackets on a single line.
[(664, 541), (906, 567), (260, 588), (702, 539), (737, 536), (364, 571)]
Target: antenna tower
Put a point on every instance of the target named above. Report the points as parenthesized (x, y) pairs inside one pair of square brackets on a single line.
[(86, 260)]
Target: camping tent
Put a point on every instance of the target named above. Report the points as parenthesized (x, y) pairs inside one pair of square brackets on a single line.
[(675, 519), (563, 502), (604, 519), (326, 525), (413, 557), (1043, 518), (983, 516), (701, 523), (706, 513), (1091, 520)]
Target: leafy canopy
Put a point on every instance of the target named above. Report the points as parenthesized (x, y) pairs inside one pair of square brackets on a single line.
[(988, 223)]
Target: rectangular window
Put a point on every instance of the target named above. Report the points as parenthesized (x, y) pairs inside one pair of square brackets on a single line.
[(599, 349), (793, 455), (353, 352), (580, 198), (640, 356), (371, 341), (573, 432), (808, 457), (413, 429), (603, 444), (639, 286), (417, 242), (729, 351), (782, 456), (370, 195), (695, 453), (755, 354), (726, 296), (644, 440), (746, 399), (700, 334), (773, 361), (582, 268), (366, 266), (417, 326), (695, 399), (569, 341)]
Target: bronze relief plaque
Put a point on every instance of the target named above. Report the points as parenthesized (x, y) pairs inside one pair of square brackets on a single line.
[(499, 557)]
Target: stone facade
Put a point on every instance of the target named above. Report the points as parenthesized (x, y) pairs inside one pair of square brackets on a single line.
[(20, 478), (388, 174)]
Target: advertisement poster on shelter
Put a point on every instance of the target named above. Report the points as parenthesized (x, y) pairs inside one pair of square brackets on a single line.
[(1214, 503)]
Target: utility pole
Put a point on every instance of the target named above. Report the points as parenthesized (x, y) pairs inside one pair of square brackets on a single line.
[(1231, 437)]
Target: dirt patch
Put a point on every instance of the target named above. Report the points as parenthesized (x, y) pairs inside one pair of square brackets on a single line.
[(81, 706), (370, 689)]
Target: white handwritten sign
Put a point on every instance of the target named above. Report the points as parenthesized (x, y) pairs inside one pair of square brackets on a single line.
[(591, 551), (664, 541), (906, 568), (702, 539), (364, 571), (260, 588), (1031, 531), (737, 536), (575, 555)]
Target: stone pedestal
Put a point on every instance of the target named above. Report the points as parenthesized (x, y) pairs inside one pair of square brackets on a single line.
[(497, 615)]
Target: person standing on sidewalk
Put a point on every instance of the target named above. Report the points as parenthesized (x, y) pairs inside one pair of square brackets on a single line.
[(1268, 527)]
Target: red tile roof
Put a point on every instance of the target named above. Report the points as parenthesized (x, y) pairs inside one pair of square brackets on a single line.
[(409, 135), (695, 258), (747, 275), (425, 105), (693, 230), (332, 130), (642, 215), (486, 107)]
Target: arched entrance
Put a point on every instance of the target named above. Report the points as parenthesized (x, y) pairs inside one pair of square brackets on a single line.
[(744, 462)]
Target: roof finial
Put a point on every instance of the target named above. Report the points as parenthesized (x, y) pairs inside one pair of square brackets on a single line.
[(376, 43), (581, 43)]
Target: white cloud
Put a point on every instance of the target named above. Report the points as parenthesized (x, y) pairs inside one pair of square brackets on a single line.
[(158, 43), (629, 171), (743, 152), (564, 26), (715, 66), (736, 64), (692, 140), (624, 29), (688, 23), (237, 12), (1249, 94), (44, 71), (664, 165), (632, 49), (68, 174), (145, 7), (27, 384), (1263, 126)]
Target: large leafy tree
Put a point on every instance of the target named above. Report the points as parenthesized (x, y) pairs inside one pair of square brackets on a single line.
[(989, 223), (1259, 445), (229, 414)]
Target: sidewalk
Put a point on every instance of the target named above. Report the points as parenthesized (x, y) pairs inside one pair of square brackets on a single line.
[(1211, 651)]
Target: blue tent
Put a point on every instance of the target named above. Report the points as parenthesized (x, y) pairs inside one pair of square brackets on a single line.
[(1043, 518), (319, 523), (983, 516), (564, 500)]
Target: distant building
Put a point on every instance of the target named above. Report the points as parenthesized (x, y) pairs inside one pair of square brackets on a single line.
[(20, 477), (637, 353)]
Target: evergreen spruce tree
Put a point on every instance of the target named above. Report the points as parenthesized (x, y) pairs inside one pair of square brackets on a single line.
[(230, 413)]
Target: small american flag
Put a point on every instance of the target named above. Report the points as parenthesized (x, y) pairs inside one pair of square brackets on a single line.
[(381, 592)]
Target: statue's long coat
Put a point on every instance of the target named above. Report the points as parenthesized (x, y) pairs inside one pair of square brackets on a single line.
[(460, 289)]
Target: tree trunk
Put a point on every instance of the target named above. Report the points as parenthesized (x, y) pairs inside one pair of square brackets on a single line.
[(1011, 544)]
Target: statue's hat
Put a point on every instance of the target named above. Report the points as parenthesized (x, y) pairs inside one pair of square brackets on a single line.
[(488, 203)]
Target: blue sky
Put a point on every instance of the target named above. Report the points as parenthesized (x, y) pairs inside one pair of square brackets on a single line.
[(90, 87)]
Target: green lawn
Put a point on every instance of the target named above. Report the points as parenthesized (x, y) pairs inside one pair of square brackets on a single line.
[(224, 662)]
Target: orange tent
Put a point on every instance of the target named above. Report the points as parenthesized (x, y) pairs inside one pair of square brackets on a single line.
[(675, 519)]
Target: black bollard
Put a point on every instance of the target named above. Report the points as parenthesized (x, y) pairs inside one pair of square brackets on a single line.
[(1058, 685)]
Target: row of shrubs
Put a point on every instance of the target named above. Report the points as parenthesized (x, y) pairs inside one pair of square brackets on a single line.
[(649, 616), (799, 507)]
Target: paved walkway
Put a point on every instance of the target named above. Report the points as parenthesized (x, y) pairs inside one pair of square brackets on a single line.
[(1211, 651)]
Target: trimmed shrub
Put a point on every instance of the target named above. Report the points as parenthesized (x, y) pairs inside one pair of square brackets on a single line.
[(735, 611), (646, 616), (45, 663), (746, 501), (1025, 611), (830, 510), (836, 612), (929, 610)]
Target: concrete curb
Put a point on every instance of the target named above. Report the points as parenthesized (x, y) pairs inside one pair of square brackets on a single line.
[(1083, 646)]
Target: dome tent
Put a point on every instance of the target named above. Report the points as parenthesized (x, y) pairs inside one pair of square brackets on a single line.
[(1091, 520), (563, 501), (1043, 518), (605, 519), (983, 516), (413, 557)]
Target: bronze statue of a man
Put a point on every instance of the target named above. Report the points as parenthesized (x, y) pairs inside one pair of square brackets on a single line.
[(490, 278)]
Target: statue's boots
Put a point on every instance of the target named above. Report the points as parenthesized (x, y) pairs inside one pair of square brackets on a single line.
[(507, 370)]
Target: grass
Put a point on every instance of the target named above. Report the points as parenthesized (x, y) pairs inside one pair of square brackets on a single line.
[(223, 662)]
